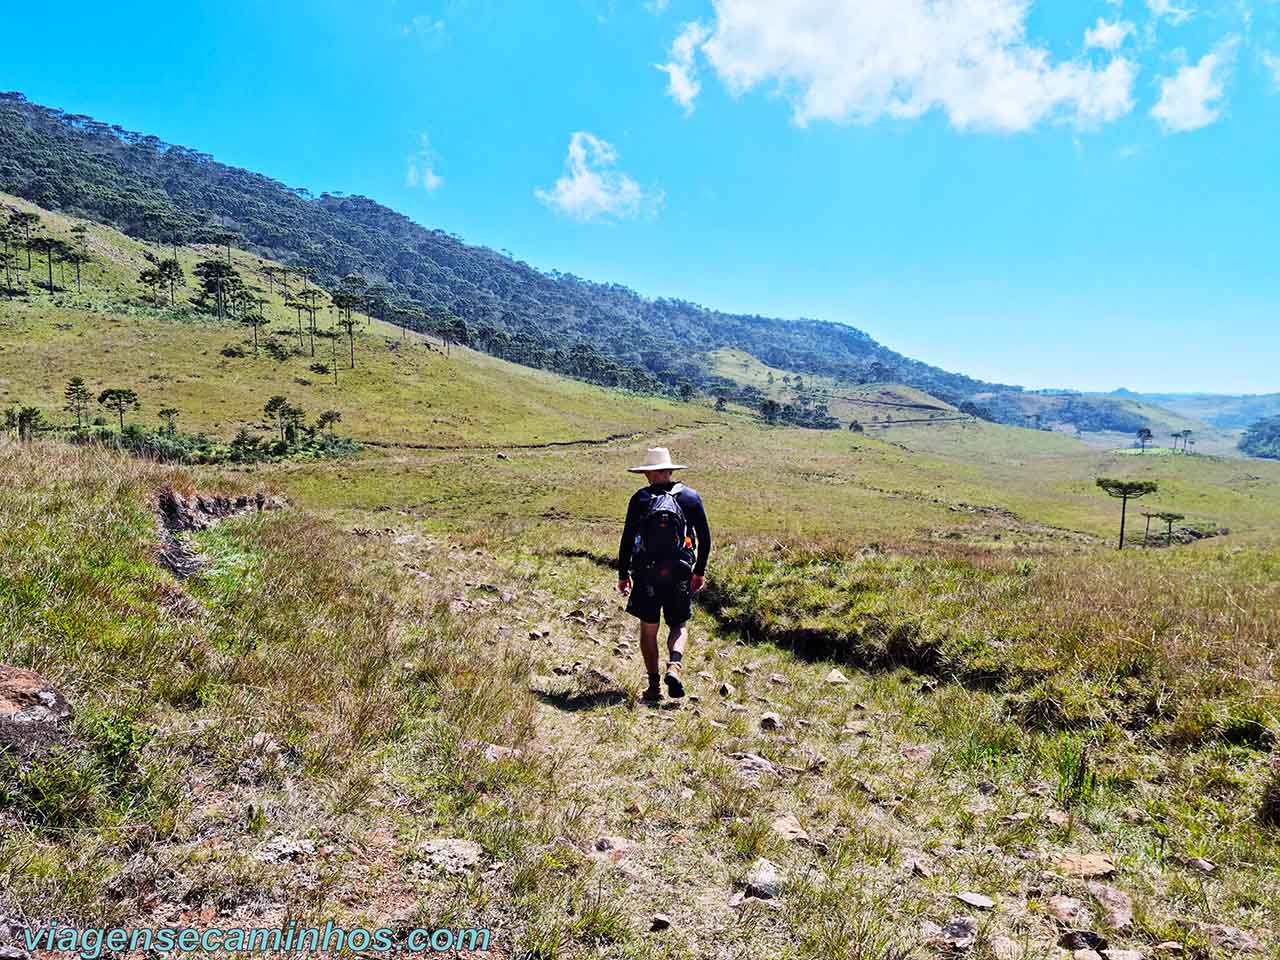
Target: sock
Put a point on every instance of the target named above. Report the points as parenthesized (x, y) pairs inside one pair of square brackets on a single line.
[(676, 656), (653, 679)]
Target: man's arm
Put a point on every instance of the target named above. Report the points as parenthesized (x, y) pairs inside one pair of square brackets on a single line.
[(697, 516), (628, 542)]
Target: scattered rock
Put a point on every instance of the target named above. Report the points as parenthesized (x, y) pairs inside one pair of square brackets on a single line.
[(281, 848), (958, 933), (920, 867), (660, 921), (613, 849), (727, 689), (1232, 938), (1083, 940), (778, 678), (753, 766), (1059, 818), (1086, 955), (1116, 904), (763, 881), (1169, 946), (1114, 954), (1087, 865), (1067, 909), (920, 754), (979, 901), (265, 744), (836, 678), (494, 752), (1201, 864), (27, 697), (705, 675), (857, 728), (451, 856), (770, 721), (1134, 815), (14, 953), (788, 828)]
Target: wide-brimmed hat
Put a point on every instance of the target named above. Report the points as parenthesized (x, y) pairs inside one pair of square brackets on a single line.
[(658, 458)]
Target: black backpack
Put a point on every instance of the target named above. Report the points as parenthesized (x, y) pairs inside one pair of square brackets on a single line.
[(664, 558)]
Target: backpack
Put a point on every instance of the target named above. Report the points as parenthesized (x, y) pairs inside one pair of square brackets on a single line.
[(665, 557)]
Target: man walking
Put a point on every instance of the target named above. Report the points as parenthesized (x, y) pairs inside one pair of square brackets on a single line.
[(665, 544)]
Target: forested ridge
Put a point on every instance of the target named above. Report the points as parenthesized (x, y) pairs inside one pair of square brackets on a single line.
[(422, 278)]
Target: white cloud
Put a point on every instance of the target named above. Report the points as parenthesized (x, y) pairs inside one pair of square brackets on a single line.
[(1170, 11), (860, 60), (681, 71), (1192, 97), (1107, 36), (1272, 63), (592, 189), (421, 167)]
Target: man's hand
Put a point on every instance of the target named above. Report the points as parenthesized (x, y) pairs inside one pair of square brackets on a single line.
[(696, 582), (624, 586)]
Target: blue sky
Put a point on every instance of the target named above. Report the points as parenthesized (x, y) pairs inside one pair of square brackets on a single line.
[(1069, 193)]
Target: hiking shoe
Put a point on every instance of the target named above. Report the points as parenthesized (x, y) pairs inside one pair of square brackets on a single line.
[(675, 688), (652, 694)]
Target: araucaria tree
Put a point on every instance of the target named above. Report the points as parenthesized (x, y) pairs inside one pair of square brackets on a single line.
[(78, 399), (218, 280), (119, 399), (327, 419), (275, 409), (1124, 491), (348, 324), (51, 248), (170, 273), (22, 222), (1170, 519), (170, 417), (1144, 437)]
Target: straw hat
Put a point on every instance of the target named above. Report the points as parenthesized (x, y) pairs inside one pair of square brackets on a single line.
[(658, 458)]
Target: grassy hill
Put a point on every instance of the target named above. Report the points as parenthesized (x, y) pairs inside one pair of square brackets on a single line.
[(396, 667)]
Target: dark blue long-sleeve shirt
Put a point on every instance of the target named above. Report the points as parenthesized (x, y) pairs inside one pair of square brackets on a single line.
[(694, 514)]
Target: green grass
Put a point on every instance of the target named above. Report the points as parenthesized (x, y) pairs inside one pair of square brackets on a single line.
[(337, 671)]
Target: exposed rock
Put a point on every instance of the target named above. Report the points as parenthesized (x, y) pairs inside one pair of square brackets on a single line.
[(613, 849), (920, 754), (27, 697), (1169, 946), (753, 766), (1085, 955), (494, 752), (1201, 864), (836, 678), (14, 953), (1083, 940), (185, 513), (857, 728), (1116, 904), (1114, 954), (979, 901), (1067, 909), (788, 828), (1134, 815), (265, 744), (451, 856), (281, 848), (1058, 818), (770, 721), (1087, 865), (763, 880), (660, 921), (727, 689), (958, 933), (1232, 938), (778, 678)]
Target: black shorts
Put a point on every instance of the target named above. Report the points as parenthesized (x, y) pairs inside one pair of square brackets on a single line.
[(674, 603)]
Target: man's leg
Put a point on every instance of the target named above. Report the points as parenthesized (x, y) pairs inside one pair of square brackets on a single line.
[(676, 639), (649, 650)]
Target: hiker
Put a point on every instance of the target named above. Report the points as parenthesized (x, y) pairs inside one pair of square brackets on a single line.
[(665, 544)]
